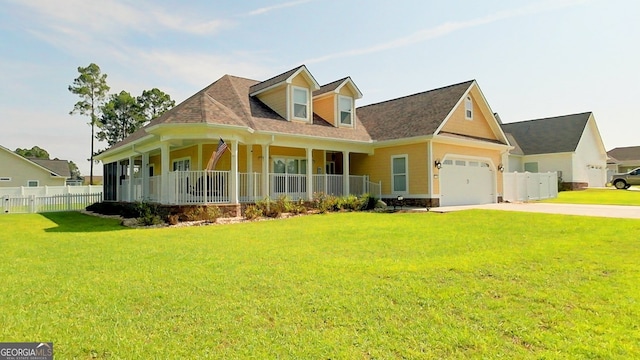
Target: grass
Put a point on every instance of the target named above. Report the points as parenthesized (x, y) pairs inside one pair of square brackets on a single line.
[(469, 284), (598, 196)]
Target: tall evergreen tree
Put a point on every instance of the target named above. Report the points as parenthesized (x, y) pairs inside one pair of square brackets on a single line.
[(91, 86), (121, 116), (154, 103)]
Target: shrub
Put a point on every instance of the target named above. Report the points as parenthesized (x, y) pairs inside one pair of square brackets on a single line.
[(368, 202), (325, 203), (198, 213), (148, 214), (269, 208), (350, 203), (252, 212)]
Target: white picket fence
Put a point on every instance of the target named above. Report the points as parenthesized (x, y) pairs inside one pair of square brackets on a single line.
[(48, 198), (528, 186), (22, 204)]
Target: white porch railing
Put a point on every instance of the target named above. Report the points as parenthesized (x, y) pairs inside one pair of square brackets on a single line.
[(293, 186), (250, 187), (188, 187), (203, 187), (328, 184), (529, 186)]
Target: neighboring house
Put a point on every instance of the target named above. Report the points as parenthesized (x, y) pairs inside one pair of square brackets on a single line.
[(623, 159), (16, 170), (290, 136), (570, 145)]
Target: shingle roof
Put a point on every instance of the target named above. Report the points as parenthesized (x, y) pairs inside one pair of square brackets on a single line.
[(227, 102), (413, 115), (549, 135), (58, 167), (517, 150), (274, 80), (625, 153)]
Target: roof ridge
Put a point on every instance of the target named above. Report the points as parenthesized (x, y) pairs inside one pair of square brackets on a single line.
[(548, 118), (245, 114), (418, 93)]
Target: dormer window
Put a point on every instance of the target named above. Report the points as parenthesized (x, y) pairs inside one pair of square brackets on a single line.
[(345, 107), (468, 108), (300, 103)]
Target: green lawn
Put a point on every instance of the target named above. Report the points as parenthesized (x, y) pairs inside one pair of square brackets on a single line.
[(468, 284), (599, 196)]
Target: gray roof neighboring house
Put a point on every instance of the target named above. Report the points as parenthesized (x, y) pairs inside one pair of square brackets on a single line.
[(56, 166), (625, 154), (558, 134), (420, 114)]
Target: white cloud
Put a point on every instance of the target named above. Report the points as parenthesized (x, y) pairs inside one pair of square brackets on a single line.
[(449, 27), (267, 9), (116, 17)]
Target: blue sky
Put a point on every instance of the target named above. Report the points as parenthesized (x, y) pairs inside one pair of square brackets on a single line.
[(532, 59)]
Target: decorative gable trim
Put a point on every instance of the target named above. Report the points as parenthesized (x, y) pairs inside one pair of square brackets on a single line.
[(336, 86), (493, 121), (284, 78)]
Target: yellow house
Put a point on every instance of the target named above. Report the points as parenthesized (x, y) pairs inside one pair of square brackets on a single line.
[(290, 136), (17, 171)]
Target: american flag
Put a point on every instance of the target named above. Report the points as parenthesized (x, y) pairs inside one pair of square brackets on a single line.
[(222, 147)]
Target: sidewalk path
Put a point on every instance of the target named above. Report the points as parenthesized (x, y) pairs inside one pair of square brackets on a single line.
[(614, 211)]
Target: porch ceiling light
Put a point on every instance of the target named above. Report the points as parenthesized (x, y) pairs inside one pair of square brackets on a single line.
[(501, 168), (437, 164)]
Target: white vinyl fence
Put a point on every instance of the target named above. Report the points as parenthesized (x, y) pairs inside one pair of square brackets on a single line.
[(528, 186), (48, 198)]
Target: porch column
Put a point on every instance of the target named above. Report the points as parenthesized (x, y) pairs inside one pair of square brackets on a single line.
[(249, 179), (199, 165), (265, 171), (164, 180), (118, 181), (234, 172), (345, 172), (131, 160), (309, 174), (145, 175)]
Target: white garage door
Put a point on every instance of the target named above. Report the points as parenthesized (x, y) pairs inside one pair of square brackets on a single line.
[(466, 182), (596, 177)]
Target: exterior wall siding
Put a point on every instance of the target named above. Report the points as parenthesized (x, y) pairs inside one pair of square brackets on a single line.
[(326, 107), (378, 166), (20, 171), (590, 158), (276, 99), (478, 126)]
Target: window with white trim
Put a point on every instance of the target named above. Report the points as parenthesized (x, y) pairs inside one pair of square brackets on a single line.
[(33, 183), (399, 174), (468, 108), (182, 164), (290, 166), (345, 107), (300, 103)]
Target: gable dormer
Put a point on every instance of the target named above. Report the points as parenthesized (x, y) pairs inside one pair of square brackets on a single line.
[(335, 102), (288, 94)]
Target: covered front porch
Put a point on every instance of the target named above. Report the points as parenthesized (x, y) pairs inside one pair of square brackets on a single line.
[(177, 173), (217, 187)]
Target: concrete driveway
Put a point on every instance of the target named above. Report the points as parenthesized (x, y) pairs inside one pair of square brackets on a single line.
[(614, 211)]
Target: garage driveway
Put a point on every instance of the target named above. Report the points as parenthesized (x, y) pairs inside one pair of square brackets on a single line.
[(614, 211)]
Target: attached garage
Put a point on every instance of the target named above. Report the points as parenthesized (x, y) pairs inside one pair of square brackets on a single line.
[(466, 182)]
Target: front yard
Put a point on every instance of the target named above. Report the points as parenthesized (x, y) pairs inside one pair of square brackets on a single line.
[(609, 196), (470, 284)]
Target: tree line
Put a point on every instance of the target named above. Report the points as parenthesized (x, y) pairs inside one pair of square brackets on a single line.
[(114, 116)]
